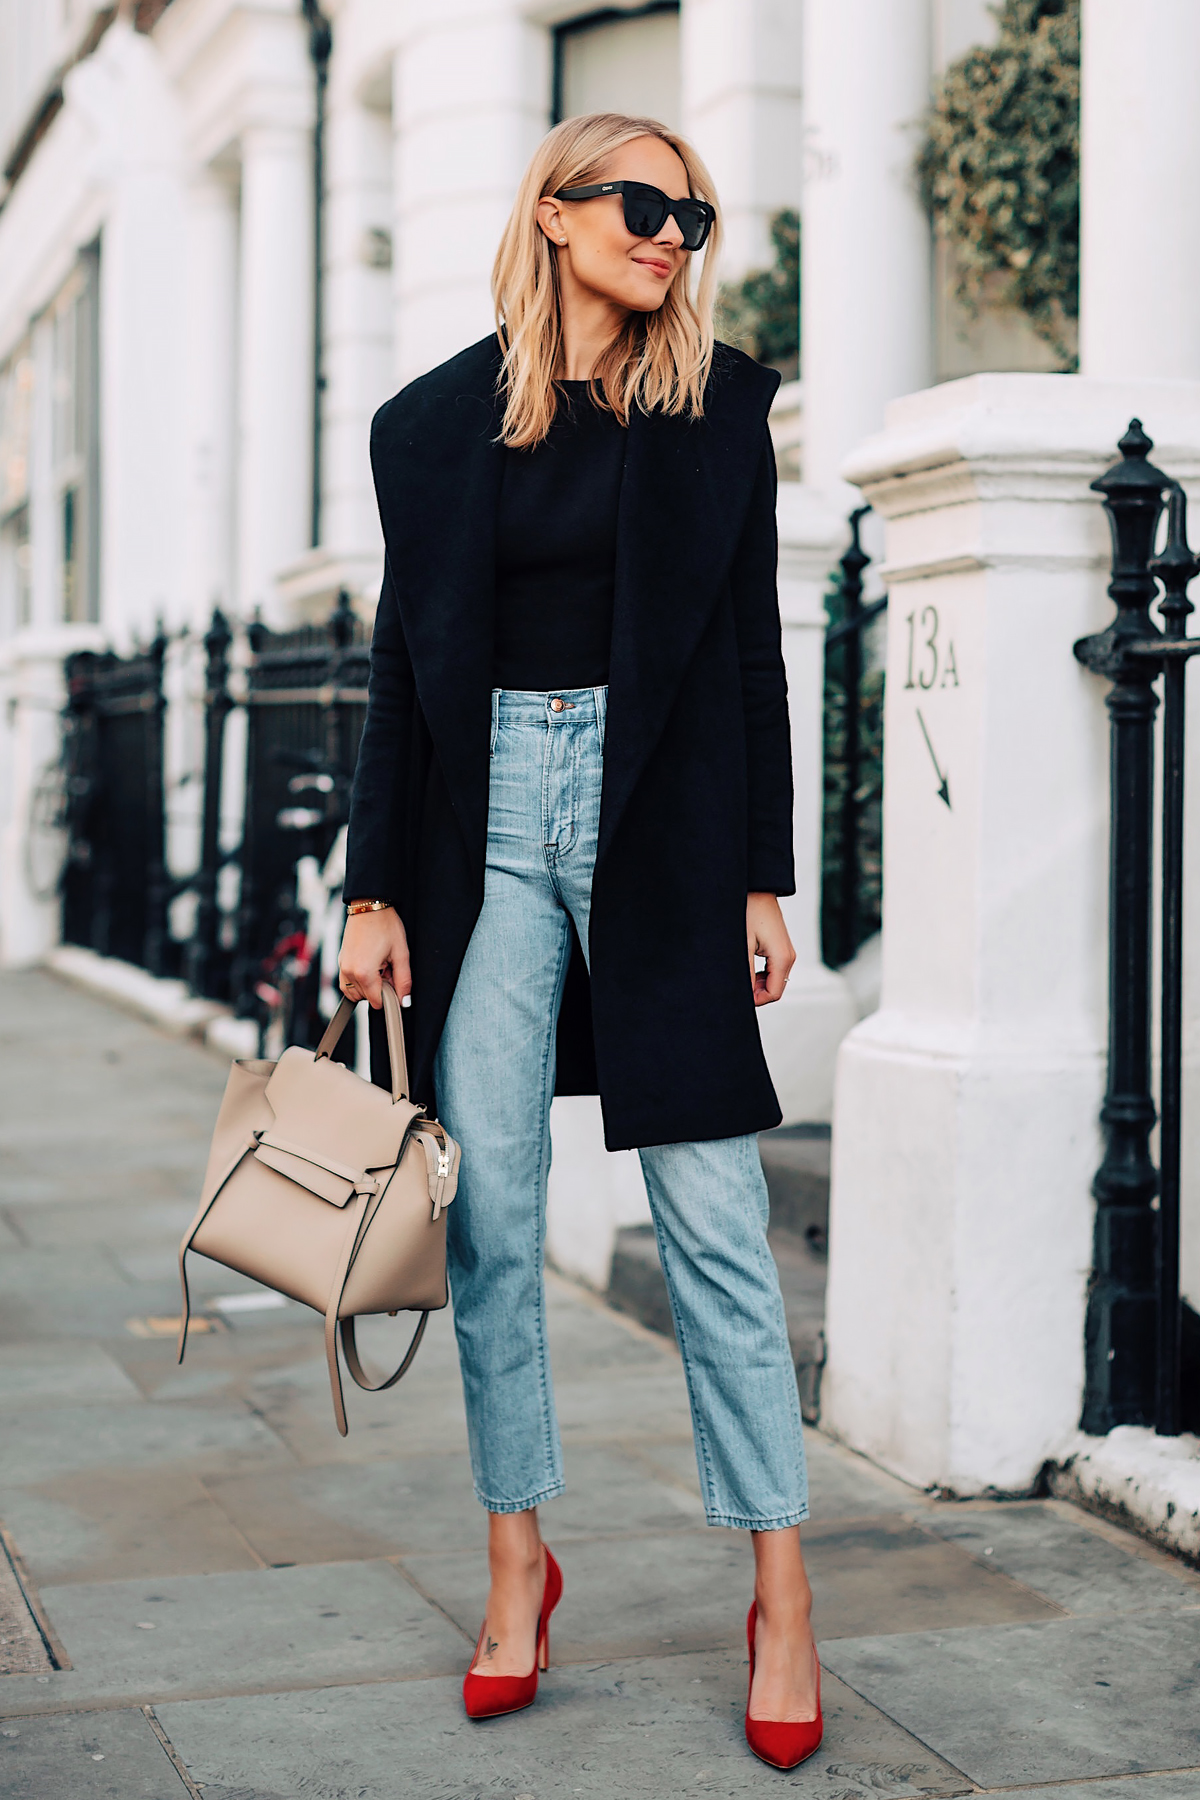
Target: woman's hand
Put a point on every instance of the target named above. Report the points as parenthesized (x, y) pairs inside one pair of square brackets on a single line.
[(767, 935), (374, 950)]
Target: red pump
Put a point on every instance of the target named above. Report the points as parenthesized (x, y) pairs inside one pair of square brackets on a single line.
[(486, 1696), (782, 1743)]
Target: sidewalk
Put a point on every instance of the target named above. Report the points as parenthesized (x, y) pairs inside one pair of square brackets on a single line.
[(255, 1609)]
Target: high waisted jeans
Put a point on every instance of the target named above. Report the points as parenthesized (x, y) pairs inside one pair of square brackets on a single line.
[(495, 1081)]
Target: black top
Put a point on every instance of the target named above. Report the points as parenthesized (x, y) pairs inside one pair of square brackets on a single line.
[(556, 543)]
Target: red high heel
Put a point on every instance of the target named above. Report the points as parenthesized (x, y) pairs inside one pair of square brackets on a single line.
[(484, 1696), (782, 1743)]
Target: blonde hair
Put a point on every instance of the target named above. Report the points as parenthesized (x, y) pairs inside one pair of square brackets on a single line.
[(657, 359)]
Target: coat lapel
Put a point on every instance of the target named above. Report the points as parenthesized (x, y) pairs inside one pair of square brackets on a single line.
[(437, 474), (684, 496)]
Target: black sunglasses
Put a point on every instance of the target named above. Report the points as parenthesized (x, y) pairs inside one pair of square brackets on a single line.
[(648, 208)]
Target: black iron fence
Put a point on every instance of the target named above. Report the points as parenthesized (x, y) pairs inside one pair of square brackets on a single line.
[(851, 849), (114, 887), (304, 696), (1134, 1337), (306, 700)]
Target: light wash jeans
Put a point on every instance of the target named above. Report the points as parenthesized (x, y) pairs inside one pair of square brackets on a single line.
[(495, 1081)]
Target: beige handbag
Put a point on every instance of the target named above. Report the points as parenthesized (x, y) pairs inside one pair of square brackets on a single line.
[(321, 1187)]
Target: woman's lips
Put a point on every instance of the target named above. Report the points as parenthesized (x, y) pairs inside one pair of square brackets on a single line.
[(654, 263)]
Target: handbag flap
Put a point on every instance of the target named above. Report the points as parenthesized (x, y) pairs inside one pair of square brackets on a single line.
[(330, 1184), (330, 1127)]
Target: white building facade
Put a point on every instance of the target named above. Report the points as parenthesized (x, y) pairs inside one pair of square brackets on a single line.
[(164, 447)]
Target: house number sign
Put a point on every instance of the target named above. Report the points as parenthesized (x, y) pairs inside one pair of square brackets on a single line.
[(931, 663)]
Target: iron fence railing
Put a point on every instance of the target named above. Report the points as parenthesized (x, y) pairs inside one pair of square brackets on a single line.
[(303, 694), (851, 859), (1135, 1340), (114, 889)]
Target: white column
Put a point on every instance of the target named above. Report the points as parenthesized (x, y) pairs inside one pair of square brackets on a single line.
[(801, 1032), (274, 358), (965, 1122), (210, 374), (33, 693), (143, 346), (866, 296), (358, 321), (471, 99), (741, 109), (1140, 166)]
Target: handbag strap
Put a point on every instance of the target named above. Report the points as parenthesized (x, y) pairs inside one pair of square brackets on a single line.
[(356, 1230), (206, 1204), (350, 1352), (393, 1019)]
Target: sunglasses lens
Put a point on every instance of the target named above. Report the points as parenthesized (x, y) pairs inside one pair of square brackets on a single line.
[(693, 223), (645, 210)]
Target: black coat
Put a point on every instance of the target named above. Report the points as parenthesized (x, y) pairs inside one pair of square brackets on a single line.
[(696, 803)]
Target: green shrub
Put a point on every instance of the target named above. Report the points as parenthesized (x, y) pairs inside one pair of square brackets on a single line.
[(761, 314), (999, 169)]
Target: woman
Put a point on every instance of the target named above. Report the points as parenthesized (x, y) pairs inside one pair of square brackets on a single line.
[(571, 821)]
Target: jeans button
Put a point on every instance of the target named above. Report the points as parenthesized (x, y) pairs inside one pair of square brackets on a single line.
[(556, 704)]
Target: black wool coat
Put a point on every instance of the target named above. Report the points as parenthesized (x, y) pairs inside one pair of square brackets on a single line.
[(696, 803)]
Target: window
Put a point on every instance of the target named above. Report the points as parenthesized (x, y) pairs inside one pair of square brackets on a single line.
[(16, 419), (619, 61), (75, 438)]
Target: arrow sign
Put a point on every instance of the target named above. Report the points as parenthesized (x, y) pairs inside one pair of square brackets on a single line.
[(943, 780)]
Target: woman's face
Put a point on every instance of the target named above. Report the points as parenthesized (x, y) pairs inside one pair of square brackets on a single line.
[(597, 252)]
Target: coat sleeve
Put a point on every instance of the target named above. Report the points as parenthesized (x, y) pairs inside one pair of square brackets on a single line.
[(378, 829), (770, 864)]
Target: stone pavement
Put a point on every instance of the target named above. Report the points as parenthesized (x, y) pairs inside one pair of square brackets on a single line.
[(253, 1609)]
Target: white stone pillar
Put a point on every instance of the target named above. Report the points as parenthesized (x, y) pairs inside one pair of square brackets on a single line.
[(741, 109), (801, 1032), (1140, 165), (965, 1121), (33, 694), (866, 295), (274, 359), (210, 376), (358, 321), (471, 97)]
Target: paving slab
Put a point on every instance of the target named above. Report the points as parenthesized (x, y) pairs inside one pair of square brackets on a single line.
[(1055, 1552), (426, 1503), (630, 1730), (1171, 1786), (424, 1413), (86, 1756), (1029, 1703), (208, 1436), (58, 1374), (261, 1631), (888, 1575), (68, 1223), (690, 1591), (119, 1524)]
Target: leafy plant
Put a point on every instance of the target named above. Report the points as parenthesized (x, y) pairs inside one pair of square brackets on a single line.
[(999, 169), (761, 314)]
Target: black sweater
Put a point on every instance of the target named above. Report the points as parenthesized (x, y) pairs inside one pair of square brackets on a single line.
[(556, 542)]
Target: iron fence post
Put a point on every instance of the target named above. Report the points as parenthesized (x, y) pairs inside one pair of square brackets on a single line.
[(1120, 1330), (853, 561), (217, 706), (156, 858), (1175, 568)]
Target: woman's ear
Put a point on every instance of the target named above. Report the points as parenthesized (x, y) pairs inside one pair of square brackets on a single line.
[(550, 218)]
